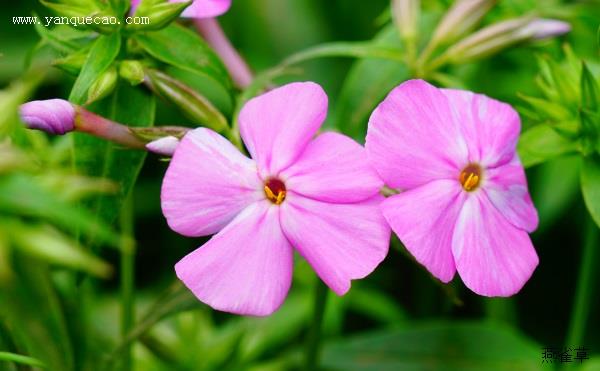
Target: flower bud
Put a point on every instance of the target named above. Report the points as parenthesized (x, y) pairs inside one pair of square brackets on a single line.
[(539, 29), (164, 146), (460, 19), (406, 15), (160, 15), (498, 36), (194, 105), (132, 71), (103, 86), (54, 116)]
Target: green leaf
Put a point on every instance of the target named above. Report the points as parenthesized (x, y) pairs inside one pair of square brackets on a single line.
[(590, 94), (541, 143), (457, 346), (590, 185), (22, 196), (96, 157), (63, 38), (554, 188), (21, 359), (53, 247), (182, 48), (34, 315), (101, 56), (365, 86), (347, 49)]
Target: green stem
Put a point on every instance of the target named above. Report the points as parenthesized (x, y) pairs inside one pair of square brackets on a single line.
[(21, 359), (584, 293), (313, 343), (127, 278)]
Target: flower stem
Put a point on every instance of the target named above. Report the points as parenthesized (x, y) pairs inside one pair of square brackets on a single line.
[(211, 31), (313, 343), (127, 278), (581, 304)]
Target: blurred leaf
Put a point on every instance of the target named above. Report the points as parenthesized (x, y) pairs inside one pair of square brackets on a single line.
[(101, 56), (175, 299), (365, 86), (63, 38), (590, 185), (182, 48), (554, 188), (52, 247), (590, 94), (96, 157), (21, 195), (21, 359), (347, 49), (34, 316), (541, 143), (377, 305), (457, 346), (264, 334)]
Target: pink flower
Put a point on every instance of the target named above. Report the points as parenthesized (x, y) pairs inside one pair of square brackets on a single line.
[(198, 8), (318, 196), (465, 205)]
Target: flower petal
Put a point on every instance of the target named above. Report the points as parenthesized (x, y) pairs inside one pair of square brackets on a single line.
[(244, 269), (205, 8), (341, 242), (333, 168), (506, 187), (207, 184), (491, 127), (493, 257), (412, 138), (277, 126), (424, 220)]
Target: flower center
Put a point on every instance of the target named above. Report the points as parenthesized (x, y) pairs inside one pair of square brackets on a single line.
[(275, 190), (470, 177)]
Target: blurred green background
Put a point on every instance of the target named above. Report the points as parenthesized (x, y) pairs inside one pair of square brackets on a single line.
[(399, 318)]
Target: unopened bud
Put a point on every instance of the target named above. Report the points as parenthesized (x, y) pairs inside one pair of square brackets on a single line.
[(539, 29), (498, 36), (54, 116), (164, 146), (132, 71), (461, 18), (406, 17), (194, 105), (159, 14), (103, 86)]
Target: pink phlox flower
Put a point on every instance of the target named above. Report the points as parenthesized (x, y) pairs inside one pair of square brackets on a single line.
[(464, 204), (317, 195), (198, 8)]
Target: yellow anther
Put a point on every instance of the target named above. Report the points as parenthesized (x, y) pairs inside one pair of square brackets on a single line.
[(470, 177), (270, 195), (275, 190)]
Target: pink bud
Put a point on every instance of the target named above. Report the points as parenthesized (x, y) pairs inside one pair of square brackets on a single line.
[(54, 116), (546, 28), (164, 146)]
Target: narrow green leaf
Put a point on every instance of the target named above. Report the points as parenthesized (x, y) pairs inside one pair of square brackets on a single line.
[(590, 94), (101, 56), (55, 248), (435, 346), (21, 195), (590, 185), (21, 359), (541, 143), (34, 315), (96, 157), (182, 48), (347, 49)]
